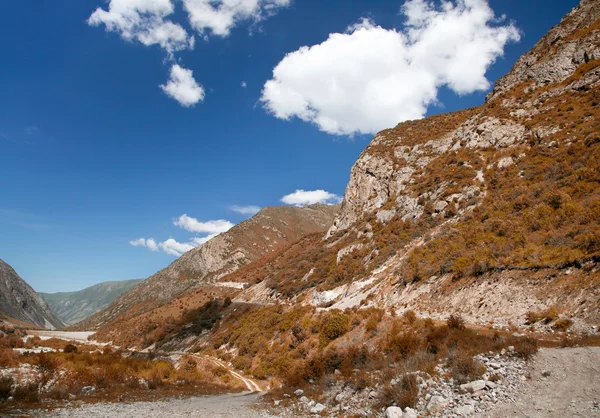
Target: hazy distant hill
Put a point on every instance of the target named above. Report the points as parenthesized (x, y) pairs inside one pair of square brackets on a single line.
[(19, 301), (72, 307)]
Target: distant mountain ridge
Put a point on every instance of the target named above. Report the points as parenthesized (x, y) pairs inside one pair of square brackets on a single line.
[(72, 307), (266, 232), (19, 301)]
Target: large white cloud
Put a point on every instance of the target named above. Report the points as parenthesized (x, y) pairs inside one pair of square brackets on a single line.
[(309, 197), (209, 227), (371, 78), (183, 87), (220, 16), (144, 21)]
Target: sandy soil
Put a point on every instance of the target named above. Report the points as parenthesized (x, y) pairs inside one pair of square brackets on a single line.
[(63, 335), (563, 383), (222, 406)]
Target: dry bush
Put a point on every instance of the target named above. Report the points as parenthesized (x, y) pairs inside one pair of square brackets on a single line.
[(333, 325), (242, 362), (70, 348), (456, 322), (402, 345), (8, 357), (47, 366), (562, 325), (6, 384), (525, 347), (464, 368), (27, 393), (404, 394)]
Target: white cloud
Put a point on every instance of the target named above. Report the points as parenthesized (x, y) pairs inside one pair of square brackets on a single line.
[(245, 210), (244, 85), (309, 197), (144, 21), (175, 248), (182, 87), (221, 16), (148, 243), (209, 227), (371, 78)]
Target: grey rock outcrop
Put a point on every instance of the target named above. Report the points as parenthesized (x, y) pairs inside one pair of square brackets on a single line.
[(19, 301)]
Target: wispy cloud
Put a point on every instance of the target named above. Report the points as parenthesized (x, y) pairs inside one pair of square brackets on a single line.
[(173, 247), (142, 242), (32, 130), (209, 227), (245, 210)]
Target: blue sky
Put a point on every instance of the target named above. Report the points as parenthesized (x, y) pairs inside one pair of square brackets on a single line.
[(95, 154)]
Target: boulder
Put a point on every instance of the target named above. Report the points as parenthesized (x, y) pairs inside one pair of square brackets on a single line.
[(393, 412), (472, 387), (410, 413), (299, 392), (464, 410), (437, 404), (318, 408)]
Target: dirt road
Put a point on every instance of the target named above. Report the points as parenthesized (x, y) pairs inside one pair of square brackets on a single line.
[(223, 406), (563, 383)]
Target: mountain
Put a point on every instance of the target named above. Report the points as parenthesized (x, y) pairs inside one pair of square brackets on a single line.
[(270, 229), (492, 213), (72, 307), (20, 302)]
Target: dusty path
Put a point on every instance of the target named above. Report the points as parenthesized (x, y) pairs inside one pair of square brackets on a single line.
[(564, 383), (223, 406), (250, 384)]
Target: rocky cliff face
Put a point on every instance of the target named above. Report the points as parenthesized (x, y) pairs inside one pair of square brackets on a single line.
[(19, 301), (270, 229), (72, 307)]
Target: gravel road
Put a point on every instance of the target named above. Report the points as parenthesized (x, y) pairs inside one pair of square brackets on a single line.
[(563, 383), (238, 405)]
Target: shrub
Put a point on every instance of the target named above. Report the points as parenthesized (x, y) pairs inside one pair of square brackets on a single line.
[(562, 325), (410, 316), (333, 325), (403, 345), (242, 362), (47, 367), (456, 322), (525, 347), (464, 368), (403, 394), (27, 393), (6, 384), (70, 348)]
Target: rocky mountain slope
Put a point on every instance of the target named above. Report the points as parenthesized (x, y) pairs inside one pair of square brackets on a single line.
[(72, 307), (492, 212), (19, 301), (269, 230)]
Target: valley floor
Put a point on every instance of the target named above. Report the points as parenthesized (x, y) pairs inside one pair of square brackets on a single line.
[(221, 406), (561, 383)]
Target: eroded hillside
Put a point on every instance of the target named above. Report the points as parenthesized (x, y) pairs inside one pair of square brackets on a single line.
[(266, 232)]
